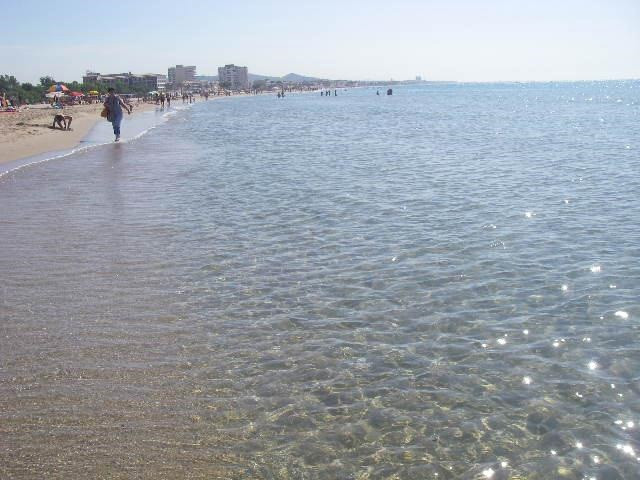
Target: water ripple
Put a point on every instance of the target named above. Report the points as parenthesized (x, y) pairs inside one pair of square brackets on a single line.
[(438, 284)]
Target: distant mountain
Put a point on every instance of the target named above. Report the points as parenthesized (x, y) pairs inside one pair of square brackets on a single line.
[(295, 78), (254, 76), (291, 77)]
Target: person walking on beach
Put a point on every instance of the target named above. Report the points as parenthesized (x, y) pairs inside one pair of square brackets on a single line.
[(114, 105)]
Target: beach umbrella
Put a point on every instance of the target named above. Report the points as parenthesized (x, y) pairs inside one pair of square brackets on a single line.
[(55, 94), (153, 93), (58, 87), (77, 94), (94, 92)]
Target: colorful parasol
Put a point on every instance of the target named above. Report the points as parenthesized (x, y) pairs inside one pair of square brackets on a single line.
[(58, 87), (77, 94), (94, 92)]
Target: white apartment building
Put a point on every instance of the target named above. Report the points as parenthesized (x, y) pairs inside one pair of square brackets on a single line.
[(236, 77), (179, 74), (162, 82)]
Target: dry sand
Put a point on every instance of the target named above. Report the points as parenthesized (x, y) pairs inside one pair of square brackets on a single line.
[(29, 132)]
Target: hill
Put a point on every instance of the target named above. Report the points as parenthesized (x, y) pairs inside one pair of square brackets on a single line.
[(290, 77), (295, 78)]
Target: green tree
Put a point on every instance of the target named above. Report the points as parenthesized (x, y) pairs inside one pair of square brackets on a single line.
[(47, 81), (140, 90), (87, 87), (121, 87), (20, 92)]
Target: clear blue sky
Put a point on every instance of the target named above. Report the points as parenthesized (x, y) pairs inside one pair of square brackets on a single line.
[(465, 40)]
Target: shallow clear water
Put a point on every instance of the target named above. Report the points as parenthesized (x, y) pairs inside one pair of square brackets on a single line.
[(444, 284)]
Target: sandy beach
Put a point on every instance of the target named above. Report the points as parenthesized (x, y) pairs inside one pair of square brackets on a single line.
[(29, 132)]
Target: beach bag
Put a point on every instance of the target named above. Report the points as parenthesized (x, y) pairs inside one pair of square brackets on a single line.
[(105, 113)]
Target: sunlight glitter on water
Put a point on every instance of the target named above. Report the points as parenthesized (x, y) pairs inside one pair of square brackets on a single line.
[(351, 289)]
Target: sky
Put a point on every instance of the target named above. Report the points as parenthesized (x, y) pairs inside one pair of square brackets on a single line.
[(458, 40)]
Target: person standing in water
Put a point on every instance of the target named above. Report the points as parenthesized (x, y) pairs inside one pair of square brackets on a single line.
[(114, 105)]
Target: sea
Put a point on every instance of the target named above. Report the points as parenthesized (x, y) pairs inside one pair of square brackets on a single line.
[(443, 283)]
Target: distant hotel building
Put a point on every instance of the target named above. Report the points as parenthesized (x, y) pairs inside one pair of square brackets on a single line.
[(162, 82), (236, 77), (150, 81), (180, 74)]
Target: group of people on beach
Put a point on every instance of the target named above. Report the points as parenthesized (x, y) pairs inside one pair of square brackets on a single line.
[(160, 99), (8, 104), (114, 108), (187, 97)]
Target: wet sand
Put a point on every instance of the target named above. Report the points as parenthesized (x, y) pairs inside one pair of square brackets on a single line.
[(29, 132)]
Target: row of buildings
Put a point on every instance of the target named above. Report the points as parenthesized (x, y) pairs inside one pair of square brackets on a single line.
[(181, 76), (148, 81)]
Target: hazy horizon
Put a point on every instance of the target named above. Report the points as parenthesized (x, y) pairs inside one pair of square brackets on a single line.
[(461, 40)]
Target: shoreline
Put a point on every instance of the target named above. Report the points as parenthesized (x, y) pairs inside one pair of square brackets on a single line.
[(28, 133)]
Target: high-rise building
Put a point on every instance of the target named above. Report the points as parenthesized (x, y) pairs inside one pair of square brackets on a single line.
[(237, 78), (179, 74)]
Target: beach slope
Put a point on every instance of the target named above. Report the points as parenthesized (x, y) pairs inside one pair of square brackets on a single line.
[(30, 132)]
